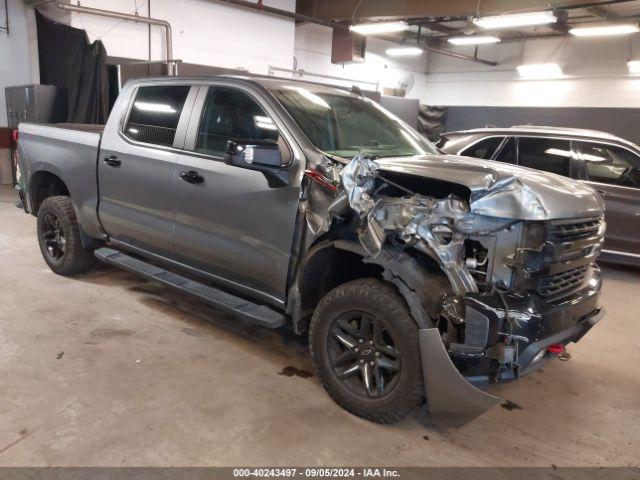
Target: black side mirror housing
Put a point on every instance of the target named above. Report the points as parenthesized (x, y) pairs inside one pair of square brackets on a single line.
[(260, 155)]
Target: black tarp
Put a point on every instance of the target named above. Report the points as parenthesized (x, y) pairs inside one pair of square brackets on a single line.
[(431, 121), (68, 60)]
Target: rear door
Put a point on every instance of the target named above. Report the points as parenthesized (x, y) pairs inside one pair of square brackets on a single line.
[(137, 165), (553, 155), (615, 172), (231, 223)]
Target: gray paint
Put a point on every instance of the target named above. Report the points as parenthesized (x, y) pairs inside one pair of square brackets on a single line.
[(406, 109)]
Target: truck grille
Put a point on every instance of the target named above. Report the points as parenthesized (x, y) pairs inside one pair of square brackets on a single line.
[(562, 283), (574, 231), (564, 263)]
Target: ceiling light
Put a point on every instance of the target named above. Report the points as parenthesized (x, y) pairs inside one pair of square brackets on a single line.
[(516, 20), (633, 66), (605, 30), (404, 51), (540, 70), (473, 40), (379, 27)]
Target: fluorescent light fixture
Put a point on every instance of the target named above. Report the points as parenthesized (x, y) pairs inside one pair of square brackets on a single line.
[(379, 27), (605, 30), (568, 154), (312, 97), (154, 107), (540, 70), (474, 40), (516, 20), (633, 66), (264, 122), (404, 51)]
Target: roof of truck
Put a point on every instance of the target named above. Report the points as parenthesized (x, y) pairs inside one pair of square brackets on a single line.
[(264, 81)]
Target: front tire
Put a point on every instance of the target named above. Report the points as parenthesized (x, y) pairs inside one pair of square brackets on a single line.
[(364, 345), (59, 237)]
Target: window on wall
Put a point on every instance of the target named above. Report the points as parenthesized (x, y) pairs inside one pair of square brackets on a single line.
[(610, 164), (546, 154), (484, 149), (155, 114), (231, 114)]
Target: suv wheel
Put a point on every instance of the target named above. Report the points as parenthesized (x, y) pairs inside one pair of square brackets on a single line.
[(364, 345), (59, 237)]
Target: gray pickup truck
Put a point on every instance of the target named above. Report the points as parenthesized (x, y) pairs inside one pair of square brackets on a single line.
[(417, 276)]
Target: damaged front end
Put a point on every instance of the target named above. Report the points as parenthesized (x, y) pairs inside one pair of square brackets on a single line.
[(504, 277)]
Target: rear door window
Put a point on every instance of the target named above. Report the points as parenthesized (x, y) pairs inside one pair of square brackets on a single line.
[(231, 114), (610, 164), (550, 155), (484, 148), (508, 152), (155, 114)]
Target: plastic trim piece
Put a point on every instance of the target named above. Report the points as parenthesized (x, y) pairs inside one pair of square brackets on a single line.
[(449, 395)]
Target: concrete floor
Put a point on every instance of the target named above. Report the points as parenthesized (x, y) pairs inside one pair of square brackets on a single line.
[(108, 370)]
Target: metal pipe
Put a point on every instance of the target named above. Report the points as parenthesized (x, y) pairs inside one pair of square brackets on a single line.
[(132, 18), (285, 13), (302, 72), (340, 26), (460, 56)]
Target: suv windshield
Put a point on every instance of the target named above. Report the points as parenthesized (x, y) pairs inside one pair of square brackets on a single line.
[(344, 125)]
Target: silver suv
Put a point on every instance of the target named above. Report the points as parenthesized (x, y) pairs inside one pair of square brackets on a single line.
[(608, 163)]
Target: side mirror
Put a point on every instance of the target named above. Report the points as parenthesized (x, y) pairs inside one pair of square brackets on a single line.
[(260, 155)]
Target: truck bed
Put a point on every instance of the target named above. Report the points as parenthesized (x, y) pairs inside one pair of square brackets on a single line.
[(68, 152)]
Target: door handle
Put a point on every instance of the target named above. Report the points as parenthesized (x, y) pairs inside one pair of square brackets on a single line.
[(191, 177), (603, 193), (112, 161)]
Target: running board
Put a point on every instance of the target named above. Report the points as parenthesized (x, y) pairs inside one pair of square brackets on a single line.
[(258, 314)]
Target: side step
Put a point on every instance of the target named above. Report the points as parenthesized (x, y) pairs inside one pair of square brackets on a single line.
[(259, 314)]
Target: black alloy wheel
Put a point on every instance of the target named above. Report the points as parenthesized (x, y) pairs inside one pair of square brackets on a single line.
[(53, 236), (363, 354)]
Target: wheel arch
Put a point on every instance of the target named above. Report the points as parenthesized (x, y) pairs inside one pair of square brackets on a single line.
[(42, 185), (329, 263)]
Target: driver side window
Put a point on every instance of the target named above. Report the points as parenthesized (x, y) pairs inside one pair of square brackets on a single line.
[(230, 114), (610, 164)]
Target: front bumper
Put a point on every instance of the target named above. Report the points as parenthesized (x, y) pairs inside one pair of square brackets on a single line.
[(451, 376)]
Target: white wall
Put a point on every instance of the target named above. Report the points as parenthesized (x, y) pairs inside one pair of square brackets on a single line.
[(18, 59), (313, 55), (595, 75), (204, 32)]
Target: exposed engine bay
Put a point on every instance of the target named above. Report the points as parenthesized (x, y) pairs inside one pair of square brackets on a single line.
[(509, 284)]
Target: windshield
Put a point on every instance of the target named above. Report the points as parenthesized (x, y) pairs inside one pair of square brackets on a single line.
[(344, 125)]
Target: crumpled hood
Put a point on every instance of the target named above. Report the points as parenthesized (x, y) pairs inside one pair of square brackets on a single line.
[(503, 190)]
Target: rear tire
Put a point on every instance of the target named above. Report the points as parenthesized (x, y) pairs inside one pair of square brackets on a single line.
[(364, 345), (59, 237)]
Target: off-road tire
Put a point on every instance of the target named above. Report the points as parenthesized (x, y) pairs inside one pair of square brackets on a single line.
[(75, 258), (383, 301)]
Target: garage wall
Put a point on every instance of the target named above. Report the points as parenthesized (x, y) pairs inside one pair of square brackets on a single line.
[(596, 72), (313, 54), (18, 60), (596, 75), (204, 32)]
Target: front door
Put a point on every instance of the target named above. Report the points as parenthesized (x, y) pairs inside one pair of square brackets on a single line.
[(615, 172), (228, 221), (137, 165)]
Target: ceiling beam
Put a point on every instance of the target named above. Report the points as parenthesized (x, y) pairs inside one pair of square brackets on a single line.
[(341, 10)]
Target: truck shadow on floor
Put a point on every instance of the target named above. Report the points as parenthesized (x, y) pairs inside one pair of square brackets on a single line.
[(196, 318)]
